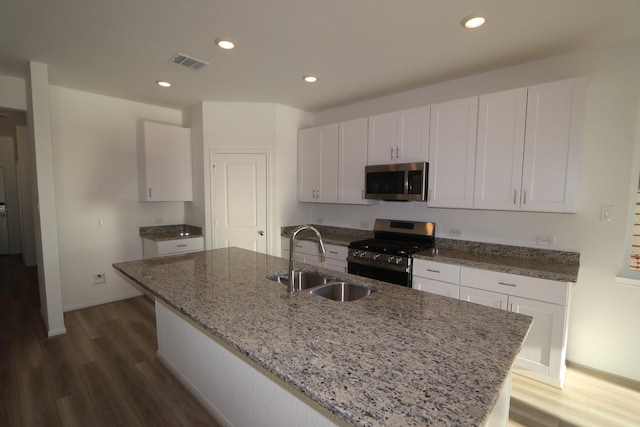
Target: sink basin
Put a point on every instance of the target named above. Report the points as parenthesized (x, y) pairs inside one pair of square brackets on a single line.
[(342, 291), (306, 279)]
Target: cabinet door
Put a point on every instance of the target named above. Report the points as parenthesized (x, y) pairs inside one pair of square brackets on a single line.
[(352, 160), (164, 161), (413, 135), (450, 290), (382, 139), (318, 164), (327, 162), (307, 163), (553, 141), (488, 298), (498, 176), (452, 153), (543, 351)]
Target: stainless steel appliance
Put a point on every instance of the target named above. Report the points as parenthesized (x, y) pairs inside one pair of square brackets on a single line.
[(397, 182), (388, 255)]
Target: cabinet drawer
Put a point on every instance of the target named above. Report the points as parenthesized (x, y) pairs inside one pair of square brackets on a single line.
[(436, 271), (513, 284), (306, 246), (336, 252), (167, 247)]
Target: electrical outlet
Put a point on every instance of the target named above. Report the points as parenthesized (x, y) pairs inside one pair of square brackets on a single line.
[(546, 240), (455, 232), (99, 279)]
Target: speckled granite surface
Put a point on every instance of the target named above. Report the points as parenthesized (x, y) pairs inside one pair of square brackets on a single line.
[(170, 232), (540, 263), (562, 266), (399, 357), (332, 235)]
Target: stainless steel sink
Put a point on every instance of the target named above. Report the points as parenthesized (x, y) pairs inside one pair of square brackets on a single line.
[(306, 279), (342, 291)]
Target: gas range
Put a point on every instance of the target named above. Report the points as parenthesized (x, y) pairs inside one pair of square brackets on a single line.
[(388, 256)]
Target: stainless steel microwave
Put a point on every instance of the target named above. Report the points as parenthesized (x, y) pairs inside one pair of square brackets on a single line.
[(397, 182)]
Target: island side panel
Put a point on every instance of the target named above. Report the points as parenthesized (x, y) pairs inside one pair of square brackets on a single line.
[(234, 392)]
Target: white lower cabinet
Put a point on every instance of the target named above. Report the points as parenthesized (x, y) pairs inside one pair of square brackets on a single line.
[(543, 353), (157, 248), (335, 257), (436, 277)]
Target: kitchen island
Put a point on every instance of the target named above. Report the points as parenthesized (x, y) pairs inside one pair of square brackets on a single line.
[(397, 357)]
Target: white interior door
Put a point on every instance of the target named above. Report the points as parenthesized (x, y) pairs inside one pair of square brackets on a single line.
[(4, 227), (240, 200)]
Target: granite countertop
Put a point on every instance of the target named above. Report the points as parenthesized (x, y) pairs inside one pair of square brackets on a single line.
[(333, 235), (547, 264), (398, 357), (170, 232)]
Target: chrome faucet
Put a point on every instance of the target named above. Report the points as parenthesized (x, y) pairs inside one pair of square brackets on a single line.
[(292, 270)]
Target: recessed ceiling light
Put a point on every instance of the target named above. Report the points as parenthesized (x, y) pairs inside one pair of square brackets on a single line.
[(310, 79), (225, 44), (163, 83), (471, 22)]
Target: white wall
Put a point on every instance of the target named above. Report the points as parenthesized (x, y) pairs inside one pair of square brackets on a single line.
[(45, 216), (25, 173), (604, 317), (13, 93), (94, 143), (251, 126)]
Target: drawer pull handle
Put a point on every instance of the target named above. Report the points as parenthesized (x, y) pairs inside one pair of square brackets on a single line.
[(433, 271), (507, 284), (181, 246), (333, 252)]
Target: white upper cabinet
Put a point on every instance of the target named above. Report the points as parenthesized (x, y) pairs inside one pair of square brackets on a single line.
[(452, 153), (529, 140), (352, 158), (553, 143), (399, 137), (318, 164), (501, 125), (164, 163)]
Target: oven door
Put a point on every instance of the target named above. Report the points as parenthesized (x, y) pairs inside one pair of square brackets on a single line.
[(398, 276)]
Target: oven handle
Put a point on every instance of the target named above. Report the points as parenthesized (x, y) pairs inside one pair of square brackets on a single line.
[(381, 265)]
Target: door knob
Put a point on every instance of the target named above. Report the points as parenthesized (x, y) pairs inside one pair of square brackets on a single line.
[(261, 232)]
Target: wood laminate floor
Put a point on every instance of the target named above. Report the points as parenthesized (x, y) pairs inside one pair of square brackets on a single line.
[(103, 372)]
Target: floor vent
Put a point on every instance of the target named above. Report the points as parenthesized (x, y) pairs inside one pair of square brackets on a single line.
[(188, 61)]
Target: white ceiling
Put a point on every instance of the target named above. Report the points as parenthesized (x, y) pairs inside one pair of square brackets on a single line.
[(360, 49)]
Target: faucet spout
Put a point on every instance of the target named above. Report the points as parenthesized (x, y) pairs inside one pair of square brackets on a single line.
[(293, 286)]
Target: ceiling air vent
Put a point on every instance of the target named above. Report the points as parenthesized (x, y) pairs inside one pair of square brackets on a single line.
[(187, 61)]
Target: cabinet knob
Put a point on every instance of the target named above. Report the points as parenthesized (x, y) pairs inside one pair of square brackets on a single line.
[(261, 232)]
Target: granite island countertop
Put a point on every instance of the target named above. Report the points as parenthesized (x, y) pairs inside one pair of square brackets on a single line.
[(398, 357)]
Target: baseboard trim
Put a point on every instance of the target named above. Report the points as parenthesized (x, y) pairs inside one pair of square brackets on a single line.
[(102, 301), (606, 376)]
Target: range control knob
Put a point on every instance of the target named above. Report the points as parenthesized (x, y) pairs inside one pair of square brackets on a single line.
[(391, 259), (355, 253), (363, 254), (376, 257), (398, 260)]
